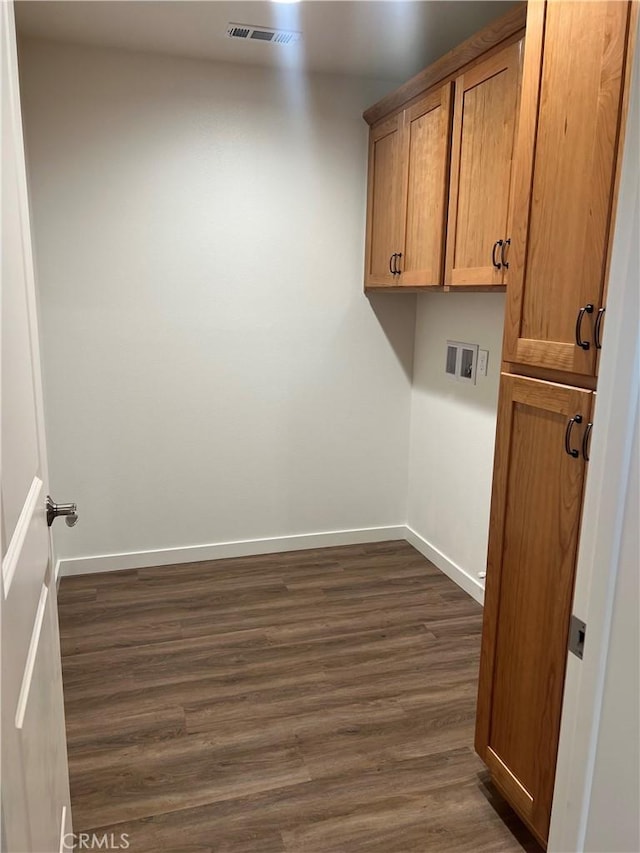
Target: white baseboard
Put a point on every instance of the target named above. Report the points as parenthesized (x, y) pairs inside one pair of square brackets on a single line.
[(224, 550), (272, 545), (458, 575)]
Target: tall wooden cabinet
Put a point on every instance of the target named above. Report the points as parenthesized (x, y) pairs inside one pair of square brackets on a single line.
[(571, 115), (506, 159)]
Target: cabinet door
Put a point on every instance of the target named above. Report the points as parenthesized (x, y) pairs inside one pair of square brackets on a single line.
[(484, 128), (385, 202), (564, 180), (535, 518), (427, 141)]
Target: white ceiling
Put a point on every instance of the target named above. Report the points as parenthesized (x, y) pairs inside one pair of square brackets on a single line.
[(389, 39)]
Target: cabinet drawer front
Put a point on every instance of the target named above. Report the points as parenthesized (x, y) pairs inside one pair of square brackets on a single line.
[(385, 224), (564, 180), (535, 518), (486, 106)]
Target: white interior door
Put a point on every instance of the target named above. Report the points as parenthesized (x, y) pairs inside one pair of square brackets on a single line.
[(36, 813)]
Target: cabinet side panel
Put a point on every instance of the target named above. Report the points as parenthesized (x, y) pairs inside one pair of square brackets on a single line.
[(524, 155)]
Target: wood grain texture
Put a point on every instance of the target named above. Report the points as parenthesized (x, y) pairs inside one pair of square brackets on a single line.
[(409, 166), (536, 509), (386, 201), (564, 179), (505, 779), (576, 379), (485, 118), (427, 130), (449, 64), (309, 701), (407, 195)]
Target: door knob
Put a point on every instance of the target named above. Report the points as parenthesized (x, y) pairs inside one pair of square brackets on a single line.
[(70, 512)]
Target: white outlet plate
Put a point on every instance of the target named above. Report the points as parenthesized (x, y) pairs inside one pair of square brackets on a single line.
[(462, 361), (483, 361)]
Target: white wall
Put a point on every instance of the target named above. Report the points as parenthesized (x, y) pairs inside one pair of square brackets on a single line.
[(453, 433), (613, 824), (213, 371)]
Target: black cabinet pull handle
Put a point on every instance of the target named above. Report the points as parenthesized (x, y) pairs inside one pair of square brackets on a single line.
[(497, 245), (586, 309), (585, 441), (576, 419), (397, 268), (597, 332), (505, 262), (391, 269)]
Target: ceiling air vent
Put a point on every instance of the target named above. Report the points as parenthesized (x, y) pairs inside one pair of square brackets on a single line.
[(264, 34)]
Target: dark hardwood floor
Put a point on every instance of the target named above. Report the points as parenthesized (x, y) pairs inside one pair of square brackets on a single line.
[(309, 701)]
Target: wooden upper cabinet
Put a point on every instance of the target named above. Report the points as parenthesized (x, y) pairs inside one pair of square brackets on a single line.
[(407, 194), (539, 473), (427, 135), (385, 201), (484, 129), (571, 104)]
